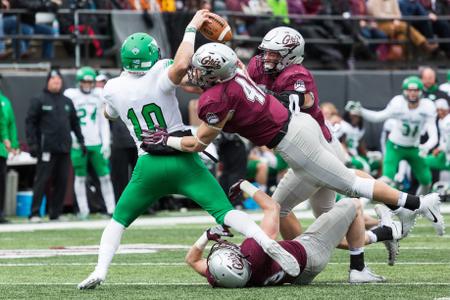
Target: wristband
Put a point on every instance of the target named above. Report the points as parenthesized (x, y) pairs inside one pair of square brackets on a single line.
[(201, 242), (174, 142), (248, 188), (189, 34)]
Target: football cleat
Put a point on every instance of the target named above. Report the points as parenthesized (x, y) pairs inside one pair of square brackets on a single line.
[(286, 260), (407, 218), (91, 282), (430, 209), (392, 246), (364, 276)]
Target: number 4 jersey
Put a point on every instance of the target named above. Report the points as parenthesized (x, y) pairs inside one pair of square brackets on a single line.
[(409, 123), (94, 126), (144, 101)]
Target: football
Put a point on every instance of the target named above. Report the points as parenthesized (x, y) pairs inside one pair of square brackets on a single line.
[(218, 30)]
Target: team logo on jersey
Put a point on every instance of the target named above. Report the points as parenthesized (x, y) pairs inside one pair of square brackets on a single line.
[(299, 86), (135, 51), (212, 118)]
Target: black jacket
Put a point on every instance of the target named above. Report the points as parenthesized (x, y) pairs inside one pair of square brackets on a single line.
[(50, 119)]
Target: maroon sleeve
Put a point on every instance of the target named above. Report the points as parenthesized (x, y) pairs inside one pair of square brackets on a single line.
[(211, 109), (297, 80), (252, 69)]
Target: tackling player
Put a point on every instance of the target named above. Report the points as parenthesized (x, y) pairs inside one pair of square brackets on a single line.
[(88, 103), (233, 103), (143, 96), (232, 266)]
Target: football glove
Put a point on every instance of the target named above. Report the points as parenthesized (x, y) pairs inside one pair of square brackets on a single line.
[(423, 151), (217, 232), (353, 106), (235, 191), (158, 136), (106, 151)]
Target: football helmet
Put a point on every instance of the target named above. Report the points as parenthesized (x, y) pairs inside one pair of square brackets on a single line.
[(139, 53), (212, 63), (412, 83), (286, 41), (85, 78), (228, 266)]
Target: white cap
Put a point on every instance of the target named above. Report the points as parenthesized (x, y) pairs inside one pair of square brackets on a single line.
[(441, 103), (101, 77)]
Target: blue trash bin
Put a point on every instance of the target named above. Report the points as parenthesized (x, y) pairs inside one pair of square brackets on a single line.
[(24, 201)]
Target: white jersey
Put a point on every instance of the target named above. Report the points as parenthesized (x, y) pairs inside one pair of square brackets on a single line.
[(353, 134), (409, 123), (444, 128), (89, 107), (144, 101)]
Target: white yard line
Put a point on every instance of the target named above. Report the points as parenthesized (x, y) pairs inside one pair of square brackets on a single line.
[(205, 283), (147, 221)]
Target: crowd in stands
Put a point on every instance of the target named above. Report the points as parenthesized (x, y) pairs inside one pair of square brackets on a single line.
[(372, 39)]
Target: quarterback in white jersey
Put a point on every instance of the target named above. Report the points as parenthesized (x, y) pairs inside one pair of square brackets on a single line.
[(411, 114), (95, 129)]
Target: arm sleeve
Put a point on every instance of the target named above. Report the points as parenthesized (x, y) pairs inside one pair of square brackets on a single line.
[(164, 83), (105, 131), (109, 107), (377, 116), (12, 129), (32, 123), (75, 124), (432, 134)]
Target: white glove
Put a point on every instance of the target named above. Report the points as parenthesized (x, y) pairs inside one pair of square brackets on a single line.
[(423, 151), (353, 106), (106, 151)]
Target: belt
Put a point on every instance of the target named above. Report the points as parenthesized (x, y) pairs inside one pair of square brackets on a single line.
[(280, 135)]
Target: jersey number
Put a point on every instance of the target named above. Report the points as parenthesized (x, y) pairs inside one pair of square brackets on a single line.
[(147, 112), (82, 113), (252, 92), (408, 130)]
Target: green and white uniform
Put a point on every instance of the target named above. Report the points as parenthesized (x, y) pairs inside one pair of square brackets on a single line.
[(404, 138), (143, 102), (353, 136), (442, 160), (96, 133)]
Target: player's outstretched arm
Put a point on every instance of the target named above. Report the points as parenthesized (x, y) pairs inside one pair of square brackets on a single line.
[(185, 51)]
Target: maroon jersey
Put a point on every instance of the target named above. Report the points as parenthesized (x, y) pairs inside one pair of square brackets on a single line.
[(264, 270), (254, 114), (293, 78)]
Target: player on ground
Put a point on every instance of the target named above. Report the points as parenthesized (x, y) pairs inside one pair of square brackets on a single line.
[(233, 103), (88, 103), (143, 96), (232, 266)]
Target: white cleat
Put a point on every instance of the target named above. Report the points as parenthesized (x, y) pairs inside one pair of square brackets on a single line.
[(430, 208), (392, 246), (286, 260), (91, 282), (364, 276), (407, 218)]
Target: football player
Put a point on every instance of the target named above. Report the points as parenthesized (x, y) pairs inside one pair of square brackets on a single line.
[(88, 103), (143, 96), (440, 158), (232, 266), (233, 103), (412, 114)]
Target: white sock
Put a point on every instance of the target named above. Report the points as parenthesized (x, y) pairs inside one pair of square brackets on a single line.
[(80, 193), (402, 199), (108, 246), (242, 222), (108, 193), (372, 237), (356, 251)]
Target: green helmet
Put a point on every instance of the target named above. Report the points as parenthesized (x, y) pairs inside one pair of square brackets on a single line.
[(412, 82), (139, 52), (86, 74)]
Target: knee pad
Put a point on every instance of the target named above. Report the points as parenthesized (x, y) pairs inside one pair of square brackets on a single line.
[(363, 187)]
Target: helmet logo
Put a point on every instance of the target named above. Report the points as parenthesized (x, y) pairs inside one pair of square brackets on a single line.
[(236, 261), (135, 51), (290, 40), (210, 62)]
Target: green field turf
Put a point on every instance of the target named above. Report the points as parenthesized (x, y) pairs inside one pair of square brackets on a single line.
[(422, 270)]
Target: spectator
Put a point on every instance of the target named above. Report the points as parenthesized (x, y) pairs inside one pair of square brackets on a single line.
[(441, 27), (4, 53), (29, 26), (8, 144), (396, 29), (430, 86), (50, 119)]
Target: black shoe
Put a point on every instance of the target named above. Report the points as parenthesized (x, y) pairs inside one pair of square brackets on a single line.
[(4, 221)]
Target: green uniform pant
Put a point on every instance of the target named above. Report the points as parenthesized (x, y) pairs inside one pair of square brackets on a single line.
[(395, 153), (94, 155), (438, 162), (156, 176)]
